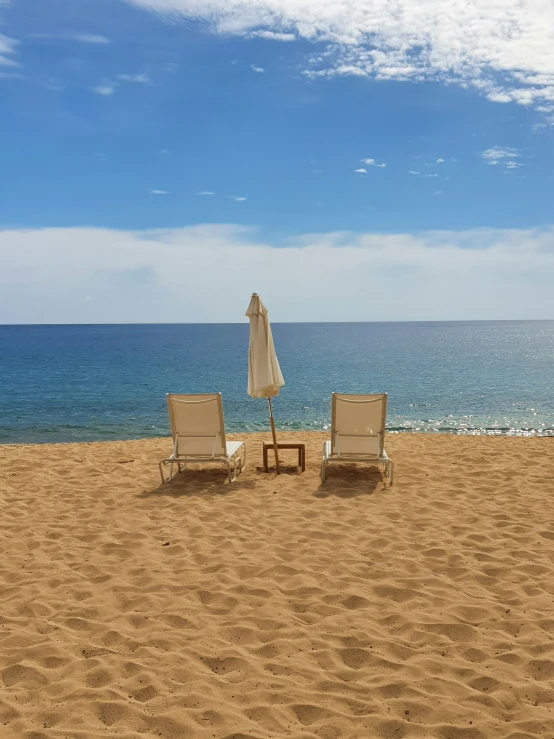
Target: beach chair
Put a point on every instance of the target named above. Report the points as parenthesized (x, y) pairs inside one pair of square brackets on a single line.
[(357, 432), (198, 433)]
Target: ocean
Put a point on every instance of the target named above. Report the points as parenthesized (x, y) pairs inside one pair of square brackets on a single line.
[(101, 382)]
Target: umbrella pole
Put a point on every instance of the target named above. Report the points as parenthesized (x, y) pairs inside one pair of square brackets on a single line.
[(274, 436)]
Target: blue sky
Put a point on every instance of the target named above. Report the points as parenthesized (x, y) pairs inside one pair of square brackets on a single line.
[(115, 115)]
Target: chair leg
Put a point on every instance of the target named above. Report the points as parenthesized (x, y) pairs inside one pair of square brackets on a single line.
[(160, 466), (240, 461), (232, 468), (323, 471)]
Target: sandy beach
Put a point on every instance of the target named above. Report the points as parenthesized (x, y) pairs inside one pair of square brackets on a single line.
[(274, 606)]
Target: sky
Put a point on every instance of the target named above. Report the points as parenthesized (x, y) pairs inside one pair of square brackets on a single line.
[(361, 160)]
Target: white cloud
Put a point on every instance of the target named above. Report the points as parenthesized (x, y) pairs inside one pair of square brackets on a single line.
[(106, 90), (108, 87), (143, 79), (159, 192), (273, 35), (439, 161), (8, 47), (496, 154), (434, 174), (237, 198), (504, 49), (497, 274), (361, 170), (53, 84), (205, 192), (373, 163), (513, 165), (259, 70), (412, 171), (497, 96), (87, 38), (84, 38)]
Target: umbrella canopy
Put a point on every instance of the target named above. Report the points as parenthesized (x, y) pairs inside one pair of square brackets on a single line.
[(264, 374)]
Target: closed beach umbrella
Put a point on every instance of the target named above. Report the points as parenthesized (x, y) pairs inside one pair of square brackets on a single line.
[(264, 374)]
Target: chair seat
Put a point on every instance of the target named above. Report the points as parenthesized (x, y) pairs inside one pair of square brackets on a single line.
[(231, 447), (356, 456)]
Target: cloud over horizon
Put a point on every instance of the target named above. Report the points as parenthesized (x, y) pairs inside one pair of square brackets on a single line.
[(87, 275)]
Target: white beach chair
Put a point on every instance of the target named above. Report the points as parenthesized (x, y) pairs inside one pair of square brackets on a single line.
[(357, 432), (198, 432)]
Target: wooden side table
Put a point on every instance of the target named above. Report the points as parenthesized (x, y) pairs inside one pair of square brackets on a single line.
[(301, 454)]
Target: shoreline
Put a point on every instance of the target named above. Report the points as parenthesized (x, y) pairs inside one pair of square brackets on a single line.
[(487, 434)]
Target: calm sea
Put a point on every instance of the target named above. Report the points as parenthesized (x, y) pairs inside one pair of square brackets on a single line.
[(87, 383)]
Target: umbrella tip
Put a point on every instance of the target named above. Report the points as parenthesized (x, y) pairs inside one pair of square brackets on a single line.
[(254, 295)]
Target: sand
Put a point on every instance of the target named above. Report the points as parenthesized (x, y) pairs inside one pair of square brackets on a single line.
[(277, 607)]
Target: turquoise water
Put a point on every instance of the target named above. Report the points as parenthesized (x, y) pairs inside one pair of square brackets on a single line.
[(87, 383)]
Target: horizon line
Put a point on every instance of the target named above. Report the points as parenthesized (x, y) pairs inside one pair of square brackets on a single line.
[(282, 323)]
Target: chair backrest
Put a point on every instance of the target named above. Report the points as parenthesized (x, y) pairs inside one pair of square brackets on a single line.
[(197, 425), (358, 424)]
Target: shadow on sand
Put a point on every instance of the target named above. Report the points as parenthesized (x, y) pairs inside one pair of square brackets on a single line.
[(199, 483), (349, 481), (286, 469), (344, 482)]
